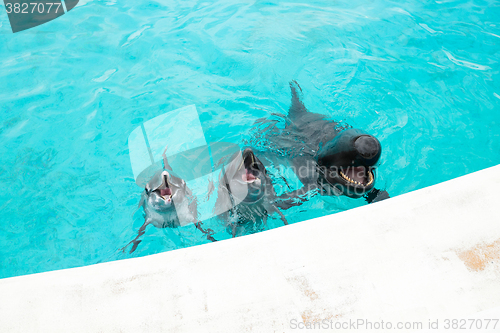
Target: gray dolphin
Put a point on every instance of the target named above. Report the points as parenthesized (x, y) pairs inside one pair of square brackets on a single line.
[(168, 203), (245, 195), (327, 158), (158, 201)]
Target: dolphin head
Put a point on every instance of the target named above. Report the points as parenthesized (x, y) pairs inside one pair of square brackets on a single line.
[(160, 191), (245, 177), (347, 162)]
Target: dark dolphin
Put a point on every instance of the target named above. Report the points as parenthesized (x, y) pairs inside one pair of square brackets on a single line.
[(327, 158), (168, 203), (245, 196)]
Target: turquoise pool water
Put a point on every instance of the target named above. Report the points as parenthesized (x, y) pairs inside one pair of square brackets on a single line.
[(422, 76)]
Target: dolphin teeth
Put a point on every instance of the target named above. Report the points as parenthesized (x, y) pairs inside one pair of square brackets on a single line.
[(370, 178), (346, 177)]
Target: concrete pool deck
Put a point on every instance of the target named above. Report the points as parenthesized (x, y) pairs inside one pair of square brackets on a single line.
[(432, 254)]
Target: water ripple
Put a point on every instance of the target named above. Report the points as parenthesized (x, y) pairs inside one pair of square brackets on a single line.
[(423, 76), (464, 63)]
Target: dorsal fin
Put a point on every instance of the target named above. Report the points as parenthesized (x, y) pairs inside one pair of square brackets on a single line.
[(297, 108)]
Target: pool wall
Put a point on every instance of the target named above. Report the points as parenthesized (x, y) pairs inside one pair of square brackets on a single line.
[(432, 254)]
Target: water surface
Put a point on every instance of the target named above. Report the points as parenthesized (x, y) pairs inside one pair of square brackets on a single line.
[(422, 76)]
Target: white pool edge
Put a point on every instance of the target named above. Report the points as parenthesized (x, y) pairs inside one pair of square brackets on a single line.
[(410, 258)]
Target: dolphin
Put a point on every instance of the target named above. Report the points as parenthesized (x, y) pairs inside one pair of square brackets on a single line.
[(245, 195), (326, 157), (168, 203), (158, 201)]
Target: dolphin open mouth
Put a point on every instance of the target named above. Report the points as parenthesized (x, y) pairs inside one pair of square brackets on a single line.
[(358, 176), (251, 168), (249, 177), (165, 193), (248, 181)]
